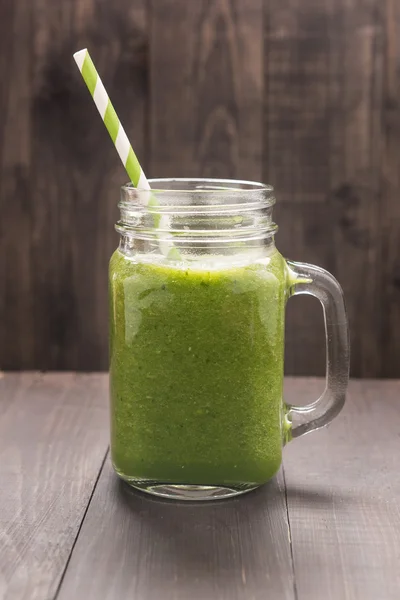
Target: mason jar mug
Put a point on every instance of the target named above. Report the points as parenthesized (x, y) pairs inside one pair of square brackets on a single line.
[(197, 294)]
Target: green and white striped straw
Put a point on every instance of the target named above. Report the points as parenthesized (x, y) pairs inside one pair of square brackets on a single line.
[(124, 148), (110, 118)]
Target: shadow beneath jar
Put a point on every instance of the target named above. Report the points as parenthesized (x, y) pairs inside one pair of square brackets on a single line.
[(226, 549), (236, 548), (315, 497)]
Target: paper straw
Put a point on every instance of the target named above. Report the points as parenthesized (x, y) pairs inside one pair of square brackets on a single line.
[(110, 119), (122, 144)]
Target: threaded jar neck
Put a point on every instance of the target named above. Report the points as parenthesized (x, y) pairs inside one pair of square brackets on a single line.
[(197, 214)]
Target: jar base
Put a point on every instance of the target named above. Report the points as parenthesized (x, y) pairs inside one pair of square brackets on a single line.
[(189, 492)]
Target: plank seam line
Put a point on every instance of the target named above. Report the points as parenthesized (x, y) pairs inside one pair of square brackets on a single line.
[(295, 591), (81, 525)]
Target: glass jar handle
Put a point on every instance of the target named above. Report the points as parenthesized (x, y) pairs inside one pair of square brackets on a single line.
[(312, 280)]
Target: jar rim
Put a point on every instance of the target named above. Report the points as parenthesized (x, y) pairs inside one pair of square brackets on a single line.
[(202, 185)]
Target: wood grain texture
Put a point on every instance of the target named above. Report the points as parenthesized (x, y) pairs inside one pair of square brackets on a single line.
[(297, 87), (143, 548), (343, 494), (296, 157), (303, 94), (16, 273), (355, 151), (335, 513), (206, 88), (60, 175), (323, 111), (53, 440), (389, 217)]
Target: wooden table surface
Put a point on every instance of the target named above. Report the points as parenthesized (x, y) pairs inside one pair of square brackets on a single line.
[(326, 528)]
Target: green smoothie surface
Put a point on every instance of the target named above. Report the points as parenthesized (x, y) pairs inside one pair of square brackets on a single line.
[(196, 370)]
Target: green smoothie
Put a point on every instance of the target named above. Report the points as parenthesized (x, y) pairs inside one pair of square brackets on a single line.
[(197, 370)]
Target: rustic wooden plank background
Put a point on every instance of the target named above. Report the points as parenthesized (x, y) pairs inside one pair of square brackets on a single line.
[(304, 94)]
